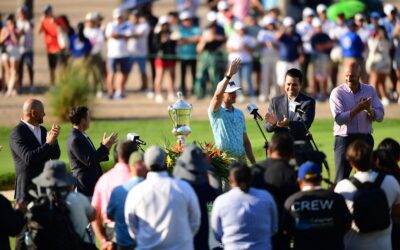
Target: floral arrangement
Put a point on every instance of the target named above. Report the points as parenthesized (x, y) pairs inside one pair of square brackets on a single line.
[(219, 160)]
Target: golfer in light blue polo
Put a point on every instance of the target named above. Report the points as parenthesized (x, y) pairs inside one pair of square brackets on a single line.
[(227, 122)]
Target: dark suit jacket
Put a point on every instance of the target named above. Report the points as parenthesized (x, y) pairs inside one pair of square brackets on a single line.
[(29, 157), (280, 106), (85, 161)]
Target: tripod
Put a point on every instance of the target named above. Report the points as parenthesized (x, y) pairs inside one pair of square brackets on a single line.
[(310, 138), (266, 144)]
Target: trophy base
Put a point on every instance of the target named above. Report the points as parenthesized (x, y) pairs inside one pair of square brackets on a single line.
[(181, 141)]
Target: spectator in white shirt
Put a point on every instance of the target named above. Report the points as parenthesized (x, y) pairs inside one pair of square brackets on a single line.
[(117, 33), (240, 45), (25, 27), (327, 25), (162, 212), (138, 45), (269, 58), (95, 34)]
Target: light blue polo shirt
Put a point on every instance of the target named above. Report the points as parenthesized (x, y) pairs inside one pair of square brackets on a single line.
[(228, 128)]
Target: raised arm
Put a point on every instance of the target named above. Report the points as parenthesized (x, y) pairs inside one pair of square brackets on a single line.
[(219, 93)]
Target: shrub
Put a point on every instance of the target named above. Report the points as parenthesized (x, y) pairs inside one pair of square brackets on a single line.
[(72, 90)]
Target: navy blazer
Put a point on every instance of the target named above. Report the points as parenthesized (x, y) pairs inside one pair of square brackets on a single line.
[(85, 161), (279, 106), (29, 157)]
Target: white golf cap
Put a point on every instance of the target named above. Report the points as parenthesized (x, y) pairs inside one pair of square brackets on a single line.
[(267, 20), (163, 20), (288, 21), (321, 8), (308, 12), (223, 5), (117, 13), (316, 22), (232, 87), (388, 9), (90, 17), (212, 16), (359, 16), (239, 26), (185, 15)]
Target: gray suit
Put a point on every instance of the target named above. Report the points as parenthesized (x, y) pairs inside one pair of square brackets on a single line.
[(279, 106)]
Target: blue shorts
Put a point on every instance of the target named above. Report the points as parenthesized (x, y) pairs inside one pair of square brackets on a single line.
[(141, 61), (119, 64), (27, 58)]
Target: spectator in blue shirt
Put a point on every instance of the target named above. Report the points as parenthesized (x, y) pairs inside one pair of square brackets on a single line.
[(244, 217), (116, 205), (353, 48), (79, 45)]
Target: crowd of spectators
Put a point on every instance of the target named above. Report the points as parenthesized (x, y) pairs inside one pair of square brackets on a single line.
[(268, 44)]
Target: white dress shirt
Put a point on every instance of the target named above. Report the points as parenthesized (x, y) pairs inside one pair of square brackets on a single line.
[(162, 213)]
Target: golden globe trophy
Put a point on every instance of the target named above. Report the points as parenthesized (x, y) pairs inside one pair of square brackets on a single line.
[(180, 113)]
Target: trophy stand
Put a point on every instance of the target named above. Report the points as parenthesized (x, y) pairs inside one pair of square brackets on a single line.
[(180, 113)]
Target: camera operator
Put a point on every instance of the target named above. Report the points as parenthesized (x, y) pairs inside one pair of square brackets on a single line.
[(292, 111)]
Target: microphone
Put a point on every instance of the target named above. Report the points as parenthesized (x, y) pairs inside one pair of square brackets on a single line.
[(252, 110), (299, 110)]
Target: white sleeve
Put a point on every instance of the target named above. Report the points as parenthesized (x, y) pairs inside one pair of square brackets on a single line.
[(216, 224), (130, 214)]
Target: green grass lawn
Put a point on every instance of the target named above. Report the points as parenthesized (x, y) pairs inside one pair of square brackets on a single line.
[(159, 132)]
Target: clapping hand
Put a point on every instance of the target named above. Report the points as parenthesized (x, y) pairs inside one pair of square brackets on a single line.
[(53, 134), (110, 140), (271, 118), (365, 104), (284, 122)]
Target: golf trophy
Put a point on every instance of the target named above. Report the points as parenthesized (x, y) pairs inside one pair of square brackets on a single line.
[(180, 113)]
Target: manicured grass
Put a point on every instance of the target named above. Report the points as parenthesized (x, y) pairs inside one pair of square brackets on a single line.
[(159, 132)]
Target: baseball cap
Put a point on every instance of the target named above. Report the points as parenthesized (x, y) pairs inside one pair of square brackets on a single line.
[(375, 15), (316, 22), (309, 171), (185, 15), (388, 9), (47, 8), (308, 12), (212, 16), (223, 5), (135, 157), (288, 21), (359, 16), (154, 156), (267, 20), (238, 26), (117, 13), (90, 17), (232, 87), (163, 20), (321, 8), (351, 23)]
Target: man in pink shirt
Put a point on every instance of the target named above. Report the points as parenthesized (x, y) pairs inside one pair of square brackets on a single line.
[(118, 175)]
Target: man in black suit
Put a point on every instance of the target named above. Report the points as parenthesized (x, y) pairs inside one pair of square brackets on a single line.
[(31, 146), (83, 156), (286, 112)]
